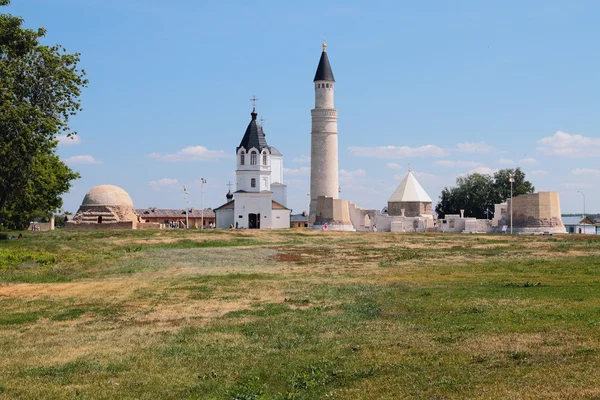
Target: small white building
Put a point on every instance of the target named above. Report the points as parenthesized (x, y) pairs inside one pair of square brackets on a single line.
[(582, 225), (260, 199)]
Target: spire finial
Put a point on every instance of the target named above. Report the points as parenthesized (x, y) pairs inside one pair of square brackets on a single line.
[(408, 167), (262, 121), (254, 100), (324, 44)]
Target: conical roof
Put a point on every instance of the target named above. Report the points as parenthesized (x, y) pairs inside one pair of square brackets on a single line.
[(324, 72), (254, 136), (410, 190)]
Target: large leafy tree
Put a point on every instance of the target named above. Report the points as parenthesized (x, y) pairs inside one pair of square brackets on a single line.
[(39, 91), (477, 193)]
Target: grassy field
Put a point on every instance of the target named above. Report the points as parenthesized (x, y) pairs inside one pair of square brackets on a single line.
[(298, 315)]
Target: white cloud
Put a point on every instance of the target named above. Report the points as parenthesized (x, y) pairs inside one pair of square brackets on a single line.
[(506, 161), (538, 172), (469, 147), (527, 161), (394, 166), (578, 185), (482, 170), (351, 175), (396, 152), (164, 183), (82, 160), (191, 153), (296, 171), (301, 159), (452, 164), (566, 145), (64, 140), (586, 171)]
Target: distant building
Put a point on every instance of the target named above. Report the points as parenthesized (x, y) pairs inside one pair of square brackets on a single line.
[(299, 220), (171, 218), (582, 225)]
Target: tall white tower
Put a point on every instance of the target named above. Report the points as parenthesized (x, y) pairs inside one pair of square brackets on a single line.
[(324, 138)]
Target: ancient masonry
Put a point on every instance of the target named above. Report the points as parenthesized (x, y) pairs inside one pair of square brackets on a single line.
[(535, 213), (105, 207), (325, 207)]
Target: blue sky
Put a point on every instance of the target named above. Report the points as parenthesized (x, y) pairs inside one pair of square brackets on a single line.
[(449, 87)]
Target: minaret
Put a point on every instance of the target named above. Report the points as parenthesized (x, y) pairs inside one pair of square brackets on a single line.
[(324, 138)]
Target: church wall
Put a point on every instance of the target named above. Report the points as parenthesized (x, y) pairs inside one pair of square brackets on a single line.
[(281, 219), (255, 203), (276, 169), (280, 194), (224, 218)]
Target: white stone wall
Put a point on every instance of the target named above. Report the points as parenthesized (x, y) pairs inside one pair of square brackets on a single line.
[(276, 169), (279, 193), (224, 218), (245, 172), (255, 203), (281, 219)]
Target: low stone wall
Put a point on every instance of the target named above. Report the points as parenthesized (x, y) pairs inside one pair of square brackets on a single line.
[(73, 226), (149, 225), (411, 208)]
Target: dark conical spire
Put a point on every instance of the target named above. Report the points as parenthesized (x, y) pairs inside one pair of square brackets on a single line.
[(324, 72), (254, 136)]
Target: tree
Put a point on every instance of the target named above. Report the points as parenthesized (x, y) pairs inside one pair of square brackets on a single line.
[(39, 91), (520, 185), (478, 193)]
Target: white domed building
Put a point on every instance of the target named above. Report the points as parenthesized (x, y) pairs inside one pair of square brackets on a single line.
[(105, 207)]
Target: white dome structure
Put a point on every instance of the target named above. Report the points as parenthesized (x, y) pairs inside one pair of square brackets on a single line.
[(105, 207), (107, 195)]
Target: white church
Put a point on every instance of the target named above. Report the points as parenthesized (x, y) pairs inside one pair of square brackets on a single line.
[(260, 198)]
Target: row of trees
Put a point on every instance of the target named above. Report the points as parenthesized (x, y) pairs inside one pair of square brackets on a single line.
[(39, 92), (477, 193)]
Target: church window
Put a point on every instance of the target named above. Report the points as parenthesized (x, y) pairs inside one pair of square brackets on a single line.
[(253, 182), (242, 157), (327, 85), (253, 158), (264, 158)]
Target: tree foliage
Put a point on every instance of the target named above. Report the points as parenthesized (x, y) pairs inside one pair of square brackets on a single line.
[(478, 193), (39, 91)]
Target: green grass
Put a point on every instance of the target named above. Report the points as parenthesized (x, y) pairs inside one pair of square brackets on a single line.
[(298, 315)]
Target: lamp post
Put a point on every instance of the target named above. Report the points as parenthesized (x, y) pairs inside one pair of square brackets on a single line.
[(583, 194), (185, 198), (202, 182), (511, 179)]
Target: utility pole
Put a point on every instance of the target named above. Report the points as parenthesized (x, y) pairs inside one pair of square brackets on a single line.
[(202, 182), (511, 178), (185, 198)]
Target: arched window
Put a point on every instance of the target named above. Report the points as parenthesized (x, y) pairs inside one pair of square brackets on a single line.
[(253, 158), (253, 182), (264, 158), (242, 157)]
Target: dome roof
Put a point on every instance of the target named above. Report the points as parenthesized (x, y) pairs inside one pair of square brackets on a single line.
[(107, 195), (274, 151)]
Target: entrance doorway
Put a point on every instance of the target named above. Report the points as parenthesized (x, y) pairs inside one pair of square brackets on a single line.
[(253, 221)]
